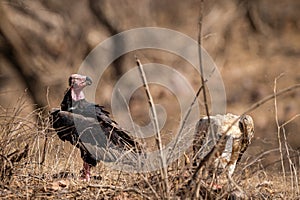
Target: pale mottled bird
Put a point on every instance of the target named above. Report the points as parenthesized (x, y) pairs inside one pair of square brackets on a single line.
[(232, 133)]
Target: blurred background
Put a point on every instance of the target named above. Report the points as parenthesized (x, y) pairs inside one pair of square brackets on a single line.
[(251, 42)]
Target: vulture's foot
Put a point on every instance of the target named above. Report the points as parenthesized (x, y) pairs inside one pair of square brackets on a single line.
[(86, 172)]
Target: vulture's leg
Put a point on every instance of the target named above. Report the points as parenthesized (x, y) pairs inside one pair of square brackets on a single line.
[(86, 172)]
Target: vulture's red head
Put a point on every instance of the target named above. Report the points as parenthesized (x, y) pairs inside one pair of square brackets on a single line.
[(77, 82)]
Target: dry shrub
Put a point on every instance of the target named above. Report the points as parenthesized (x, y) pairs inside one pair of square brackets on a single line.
[(36, 164), (14, 139)]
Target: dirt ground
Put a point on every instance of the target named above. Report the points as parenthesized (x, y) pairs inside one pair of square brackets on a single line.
[(253, 43)]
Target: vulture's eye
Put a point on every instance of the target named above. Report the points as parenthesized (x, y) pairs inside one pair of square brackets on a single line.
[(241, 126)]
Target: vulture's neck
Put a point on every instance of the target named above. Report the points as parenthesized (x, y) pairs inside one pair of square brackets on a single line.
[(77, 94)]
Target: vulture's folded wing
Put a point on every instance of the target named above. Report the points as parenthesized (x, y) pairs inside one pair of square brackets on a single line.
[(87, 134)]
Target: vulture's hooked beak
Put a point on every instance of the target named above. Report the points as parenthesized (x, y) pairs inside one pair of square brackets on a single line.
[(88, 81)]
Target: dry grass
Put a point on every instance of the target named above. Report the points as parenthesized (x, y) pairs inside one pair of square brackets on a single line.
[(36, 164), (52, 170)]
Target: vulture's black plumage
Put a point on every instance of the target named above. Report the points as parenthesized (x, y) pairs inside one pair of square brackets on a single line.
[(79, 120)]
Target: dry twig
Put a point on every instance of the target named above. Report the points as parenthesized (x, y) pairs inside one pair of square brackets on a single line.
[(164, 172), (200, 58)]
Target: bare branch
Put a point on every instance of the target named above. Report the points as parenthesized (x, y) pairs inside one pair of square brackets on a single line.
[(200, 58), (156, 126), (278, 127)]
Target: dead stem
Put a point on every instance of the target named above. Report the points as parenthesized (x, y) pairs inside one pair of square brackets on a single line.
[(164, 172)]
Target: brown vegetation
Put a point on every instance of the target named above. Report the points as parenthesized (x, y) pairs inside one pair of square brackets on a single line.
[(43, 42)]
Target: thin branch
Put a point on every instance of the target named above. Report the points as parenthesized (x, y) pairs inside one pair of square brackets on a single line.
[(150, 186), (263, 101), (178, 136), (290, 120), (156, 126), (270, 97), (236, 185), (278, 127), (190, 108), (200, 164), (201, 60), (258, 157)]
